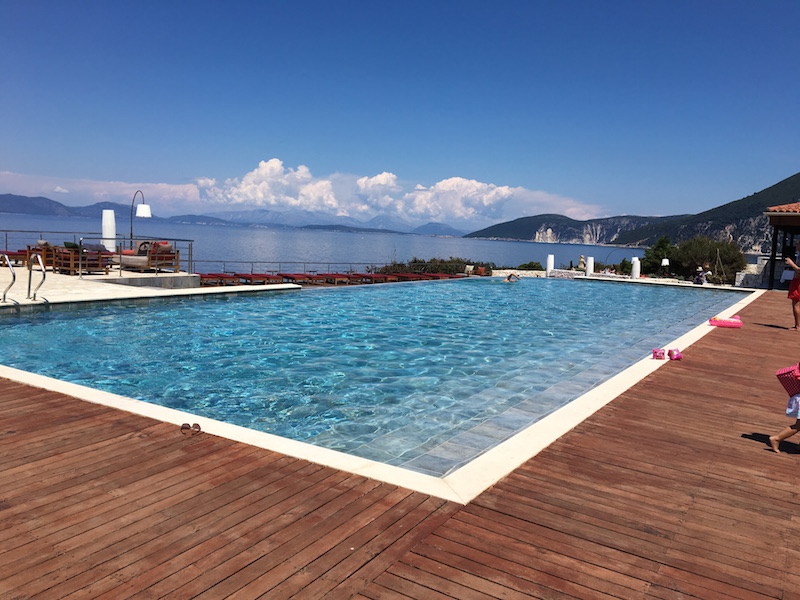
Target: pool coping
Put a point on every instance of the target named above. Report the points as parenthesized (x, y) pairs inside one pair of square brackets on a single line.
[(460, 486)]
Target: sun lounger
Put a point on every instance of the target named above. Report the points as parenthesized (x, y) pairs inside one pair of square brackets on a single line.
[(335, 278), (19, 257), (296, 277), (259, 278), (412, 276), (210, 279), (370, 277)]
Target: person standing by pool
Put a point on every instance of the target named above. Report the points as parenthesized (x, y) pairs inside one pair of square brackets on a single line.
[(794, 286)]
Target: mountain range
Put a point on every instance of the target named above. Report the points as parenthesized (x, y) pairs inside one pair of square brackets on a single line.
[(741, 221), (26, 205)]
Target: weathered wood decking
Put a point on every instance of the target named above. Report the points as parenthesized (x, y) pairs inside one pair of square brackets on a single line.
[(668, 492)]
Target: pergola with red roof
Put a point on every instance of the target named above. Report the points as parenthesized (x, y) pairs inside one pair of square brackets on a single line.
[(785, 221)]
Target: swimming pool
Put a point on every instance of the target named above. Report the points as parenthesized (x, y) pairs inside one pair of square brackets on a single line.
[(425, 376)]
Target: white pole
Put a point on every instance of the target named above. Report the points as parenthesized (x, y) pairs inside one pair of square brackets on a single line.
[(109, 231), (551, 261), (590, 265)]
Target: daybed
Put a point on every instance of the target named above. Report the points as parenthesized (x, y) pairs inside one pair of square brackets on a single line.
[(150, 256)]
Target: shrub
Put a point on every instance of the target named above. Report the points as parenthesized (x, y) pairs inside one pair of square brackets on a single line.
[(531, 266), (450, 266)]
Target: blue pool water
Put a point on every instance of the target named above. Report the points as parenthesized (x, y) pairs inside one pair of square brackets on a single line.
[(422, 375)]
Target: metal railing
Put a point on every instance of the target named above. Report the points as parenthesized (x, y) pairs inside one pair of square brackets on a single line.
[(19, 236), (306, 267), (274, 267)]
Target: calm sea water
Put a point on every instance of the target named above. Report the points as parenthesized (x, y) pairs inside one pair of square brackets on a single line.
[(231, 244)]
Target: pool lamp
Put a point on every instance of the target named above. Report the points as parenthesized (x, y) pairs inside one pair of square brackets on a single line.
[(143, 210)]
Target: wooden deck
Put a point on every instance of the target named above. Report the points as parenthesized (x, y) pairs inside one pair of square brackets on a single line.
[(668, 492)]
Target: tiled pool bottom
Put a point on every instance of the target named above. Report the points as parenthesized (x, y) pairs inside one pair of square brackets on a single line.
[(519, 400)]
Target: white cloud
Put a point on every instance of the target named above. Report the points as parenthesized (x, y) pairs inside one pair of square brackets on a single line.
[(457, 201), (457, 198), (273, 186)]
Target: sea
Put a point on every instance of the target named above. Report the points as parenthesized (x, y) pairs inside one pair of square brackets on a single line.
[(254, 248)]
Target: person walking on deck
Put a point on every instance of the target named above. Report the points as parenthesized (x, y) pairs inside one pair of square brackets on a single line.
[(794, 286)]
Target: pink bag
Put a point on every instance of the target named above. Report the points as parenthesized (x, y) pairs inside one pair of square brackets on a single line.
[(658, 354), (790, 379)]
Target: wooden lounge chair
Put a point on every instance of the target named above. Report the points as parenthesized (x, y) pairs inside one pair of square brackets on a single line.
[(19, 257), (211, 279), (259, 278), (412, 276), (295, 277), (371, 277)]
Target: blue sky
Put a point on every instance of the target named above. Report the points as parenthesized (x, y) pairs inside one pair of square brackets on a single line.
[(464, 112)]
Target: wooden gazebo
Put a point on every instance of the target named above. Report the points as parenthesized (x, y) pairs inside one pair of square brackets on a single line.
[(785, 222)]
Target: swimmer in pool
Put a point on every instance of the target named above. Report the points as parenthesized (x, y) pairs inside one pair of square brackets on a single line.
[(511, 277)]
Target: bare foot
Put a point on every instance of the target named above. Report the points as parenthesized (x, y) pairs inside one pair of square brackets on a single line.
[(794, 328), (774, 442)]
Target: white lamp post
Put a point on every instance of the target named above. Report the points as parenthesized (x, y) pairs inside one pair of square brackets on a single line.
[(143, 211)]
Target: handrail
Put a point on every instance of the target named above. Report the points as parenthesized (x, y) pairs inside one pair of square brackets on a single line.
[(30, 274), (13, 276)]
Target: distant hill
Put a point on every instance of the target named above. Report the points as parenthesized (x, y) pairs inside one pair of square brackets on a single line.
[(198, 220), (349, 229), (289, 218), (24, 205), (556, 229), (437, 229), (741, 221)]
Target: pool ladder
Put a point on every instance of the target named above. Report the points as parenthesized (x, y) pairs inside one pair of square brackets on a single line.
[(13, 275), (30, 274)]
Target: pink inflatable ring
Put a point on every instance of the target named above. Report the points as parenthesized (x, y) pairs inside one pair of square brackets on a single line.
[(734, 321)]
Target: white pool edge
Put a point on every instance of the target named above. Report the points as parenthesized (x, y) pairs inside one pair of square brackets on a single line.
[(460, 486)]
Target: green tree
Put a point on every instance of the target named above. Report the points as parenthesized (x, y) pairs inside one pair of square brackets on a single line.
[(651, 261), (724, 259)]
